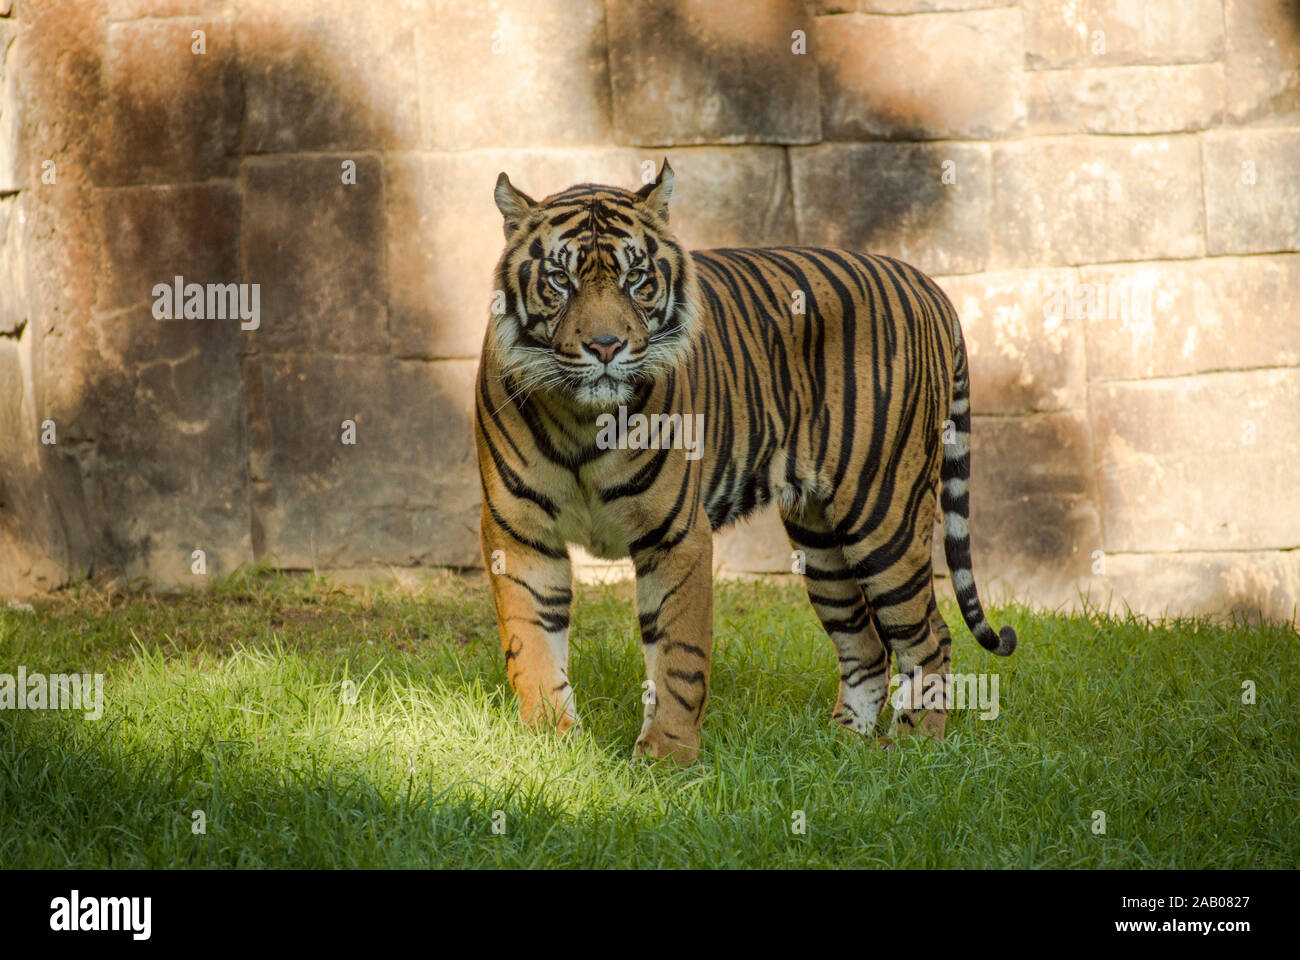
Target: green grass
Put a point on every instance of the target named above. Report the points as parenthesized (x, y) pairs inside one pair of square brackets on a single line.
[(231, 703)]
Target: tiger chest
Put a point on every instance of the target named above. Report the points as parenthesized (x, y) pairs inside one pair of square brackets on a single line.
[(602, 529)]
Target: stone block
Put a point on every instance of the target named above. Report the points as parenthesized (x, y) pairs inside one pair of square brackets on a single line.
[(149, 235), (1201, 462), (731, 197), (900, 6), (1125, 100), (13, 172), (499, 74), (1024, 342), (881, 77), (139, 9), (892, 199), (169, 114), (316, 247), (405, 493), (1192, 316), (1099, 33), (152, 425), (1252, 190), (1245, 584), (15, 311), (682, 72), (1034, 504), (1074, 200), (329, 75), (1263, 61)]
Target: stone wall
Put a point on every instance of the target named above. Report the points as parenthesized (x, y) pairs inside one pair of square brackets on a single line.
[(1108, 189)]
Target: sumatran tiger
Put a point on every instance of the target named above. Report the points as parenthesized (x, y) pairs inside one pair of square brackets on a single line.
[(633, 397)]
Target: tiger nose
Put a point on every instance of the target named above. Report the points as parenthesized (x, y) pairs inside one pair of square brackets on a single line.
[(604, 346)]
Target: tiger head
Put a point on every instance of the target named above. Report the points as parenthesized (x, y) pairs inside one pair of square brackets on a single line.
[(594, 294)]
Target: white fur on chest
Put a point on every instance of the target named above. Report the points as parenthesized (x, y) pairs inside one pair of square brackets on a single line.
[(588, 522)]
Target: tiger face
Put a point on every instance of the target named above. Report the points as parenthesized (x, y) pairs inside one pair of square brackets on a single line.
[(595, 296)]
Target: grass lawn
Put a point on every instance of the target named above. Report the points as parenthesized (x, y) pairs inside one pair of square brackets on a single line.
[(234, 703)]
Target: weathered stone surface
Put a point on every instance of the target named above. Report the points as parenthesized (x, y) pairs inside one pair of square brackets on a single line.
[(136, 9), (900, 6), (1023, 340), (12, 172), (682, 73), (32, 546), (1252, 190), (1125, 99), (731, 197), (1070, 201), (32, 551), (880, 79), (445, 235), (63, 235), (173, 475), (152, 234), (498, 74), (1183, 462), (1064, 33), (313, 83), (1263, 61), (1034, 503), (891, 199), (407, 492), (60, 66), (1217, 585), (316, 246), (152, 427), (150, 462), (14, 309), (169, 115), (53, 73), (1191, 316), (192, 434)]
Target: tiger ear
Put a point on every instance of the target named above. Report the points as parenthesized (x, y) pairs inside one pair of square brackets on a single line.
[(514, 204), (656, 195)]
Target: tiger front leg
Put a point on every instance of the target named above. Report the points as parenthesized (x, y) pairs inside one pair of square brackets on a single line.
[(531, 588), (674, 598)]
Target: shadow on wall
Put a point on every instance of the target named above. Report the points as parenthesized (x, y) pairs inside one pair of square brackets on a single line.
[(185, 434), (1288, 38), (233, 166)]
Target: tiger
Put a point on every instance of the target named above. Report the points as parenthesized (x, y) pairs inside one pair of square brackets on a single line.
[(830, 382)]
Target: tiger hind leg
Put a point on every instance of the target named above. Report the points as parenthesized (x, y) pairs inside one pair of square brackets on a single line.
[(841, 606), (903, 600), (925, 711)]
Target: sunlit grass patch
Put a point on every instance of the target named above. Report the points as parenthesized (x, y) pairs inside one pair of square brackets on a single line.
[(302, 724)]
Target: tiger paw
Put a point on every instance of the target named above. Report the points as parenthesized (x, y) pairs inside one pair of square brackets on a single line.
[(926, 726), (657, 745), (551, 719)]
